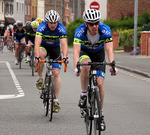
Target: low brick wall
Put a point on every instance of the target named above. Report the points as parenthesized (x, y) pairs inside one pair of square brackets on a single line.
[(115, 37), (145, 43)]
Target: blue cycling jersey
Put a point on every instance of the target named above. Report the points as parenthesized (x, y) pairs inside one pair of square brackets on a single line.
[(80, 38), (51, 38)]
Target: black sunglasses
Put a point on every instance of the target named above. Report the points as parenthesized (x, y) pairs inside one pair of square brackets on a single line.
[(92, 24)]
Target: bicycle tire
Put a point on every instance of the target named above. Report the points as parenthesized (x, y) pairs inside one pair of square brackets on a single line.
[(97, 112), (51, 98), (45, 95), (88, 121), (19, 57), (32, 62), (2, 46)]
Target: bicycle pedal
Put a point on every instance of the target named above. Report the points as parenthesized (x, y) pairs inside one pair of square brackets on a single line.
[(83, 113)]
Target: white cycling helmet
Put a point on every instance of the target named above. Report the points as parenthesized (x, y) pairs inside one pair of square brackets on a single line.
[(2, 25), (11, 26), (52, 16), (91, 15)]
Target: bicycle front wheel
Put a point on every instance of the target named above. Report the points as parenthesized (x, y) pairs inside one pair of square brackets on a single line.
[(97, 113), (32, 62), (20, 56), (51, 98), (45, 95)]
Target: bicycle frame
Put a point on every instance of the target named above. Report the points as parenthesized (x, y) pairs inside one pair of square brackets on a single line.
[(92, 112), (48, 91)]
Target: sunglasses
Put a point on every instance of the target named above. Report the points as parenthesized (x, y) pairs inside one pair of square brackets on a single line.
[(92, 24)]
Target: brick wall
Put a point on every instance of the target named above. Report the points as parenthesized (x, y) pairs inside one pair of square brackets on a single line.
[(117, 9)]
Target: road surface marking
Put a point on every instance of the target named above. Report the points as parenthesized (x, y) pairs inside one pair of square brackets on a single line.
[(20, 90)]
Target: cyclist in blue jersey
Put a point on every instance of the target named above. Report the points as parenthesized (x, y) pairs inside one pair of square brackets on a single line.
[(50, 34), (89, 41), (19, 35)]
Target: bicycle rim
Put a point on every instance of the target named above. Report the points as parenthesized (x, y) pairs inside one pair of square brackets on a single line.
[(19, 58), (97, 113), (32, 63), (45, 96), (51, 98), (88, 121)]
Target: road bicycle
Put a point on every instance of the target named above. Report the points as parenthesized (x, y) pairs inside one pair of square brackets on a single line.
[(92, 112), (31, 62), (2, 43), (48, 91), (20, 53)]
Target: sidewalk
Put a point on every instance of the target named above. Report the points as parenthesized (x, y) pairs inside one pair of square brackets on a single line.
[(138, 64)]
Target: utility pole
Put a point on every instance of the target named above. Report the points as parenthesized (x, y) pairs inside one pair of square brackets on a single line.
[(73, 10), (135, 25), (55, 5), (78, 8)]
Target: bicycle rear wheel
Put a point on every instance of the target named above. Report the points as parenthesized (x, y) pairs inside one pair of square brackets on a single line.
[(51, 98), (97, 113), (2, 46)]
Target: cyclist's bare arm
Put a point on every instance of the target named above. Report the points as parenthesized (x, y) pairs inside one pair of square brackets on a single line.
[(38, 41), (76, 53), (109, 50), (110, 54), (63, 42)]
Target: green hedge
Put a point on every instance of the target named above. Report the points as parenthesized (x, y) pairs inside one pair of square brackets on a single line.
[(126, 37), (71, 30), (128, 22)]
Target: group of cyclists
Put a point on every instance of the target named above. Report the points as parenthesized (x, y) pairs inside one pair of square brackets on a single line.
[(50, 38), (19, 33)]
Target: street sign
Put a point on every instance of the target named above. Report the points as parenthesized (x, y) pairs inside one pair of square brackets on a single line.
[(94, 5)]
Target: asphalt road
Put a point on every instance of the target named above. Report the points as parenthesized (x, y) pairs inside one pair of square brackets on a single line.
[(126, 107)]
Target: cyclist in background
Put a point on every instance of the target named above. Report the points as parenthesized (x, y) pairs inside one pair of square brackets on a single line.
[(2, 32), (39, 20), (30, 37), (9, 35), (89, 41), (19, 35), (50, 34), (27, 27)]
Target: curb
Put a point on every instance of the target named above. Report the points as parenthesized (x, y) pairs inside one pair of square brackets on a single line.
[(134, 71)]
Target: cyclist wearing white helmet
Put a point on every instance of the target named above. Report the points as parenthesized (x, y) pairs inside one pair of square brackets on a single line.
[(89, 41), (50, 34), (30, 38)]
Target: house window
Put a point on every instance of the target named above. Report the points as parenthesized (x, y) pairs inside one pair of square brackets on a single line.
[(28, 9), (25, 9), (2, 6), (11, 9), (7, 8), (17, 7), (22, 8)]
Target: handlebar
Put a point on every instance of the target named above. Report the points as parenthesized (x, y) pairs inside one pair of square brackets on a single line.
[(112, 64), (53, 61)]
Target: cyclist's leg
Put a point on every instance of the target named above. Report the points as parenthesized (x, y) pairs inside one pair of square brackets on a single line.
[(84, 77), (84, 58), (43, 53), (28, 48), (16, 51)]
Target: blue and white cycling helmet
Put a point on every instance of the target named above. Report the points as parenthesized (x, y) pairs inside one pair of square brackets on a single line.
[(52, 16), (91, 15)]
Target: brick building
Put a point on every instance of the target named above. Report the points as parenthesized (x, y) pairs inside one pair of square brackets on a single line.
[(117, 9)]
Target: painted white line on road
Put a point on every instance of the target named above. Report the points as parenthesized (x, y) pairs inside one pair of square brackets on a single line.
[(18, 87)]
